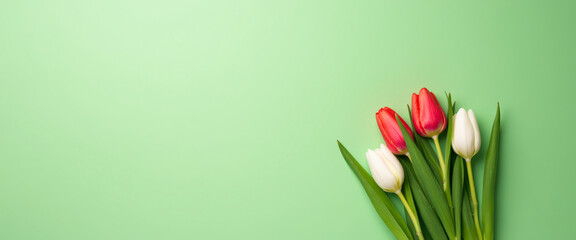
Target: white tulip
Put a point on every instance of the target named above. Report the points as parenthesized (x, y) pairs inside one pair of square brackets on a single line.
[(389, 175), (386, 169), (466, 143), (466, 135)]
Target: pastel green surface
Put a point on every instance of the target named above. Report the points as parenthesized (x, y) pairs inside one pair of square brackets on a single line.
[(218, 119)]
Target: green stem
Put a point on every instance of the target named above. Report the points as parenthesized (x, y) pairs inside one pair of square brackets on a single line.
[(441, 160), (412, 216), (474, 200), (408, 155), (444, 172)]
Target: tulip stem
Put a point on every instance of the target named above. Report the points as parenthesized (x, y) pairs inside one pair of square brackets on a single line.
[(474, 200), (444, 173), (441, 160), (412, 216)]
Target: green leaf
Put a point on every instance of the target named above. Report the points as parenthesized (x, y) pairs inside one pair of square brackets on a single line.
[(427, 152), (489, 186), (457, 191), (410, 197), (468, 227), (384, 207), (429, 218), (429, 183), (426, 233), (449, 133), (430, 157), (448, 146)]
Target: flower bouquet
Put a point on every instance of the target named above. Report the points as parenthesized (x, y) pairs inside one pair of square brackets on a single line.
[(435, 186)]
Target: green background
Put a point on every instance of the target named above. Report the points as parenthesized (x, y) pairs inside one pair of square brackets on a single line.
[(219, 119)]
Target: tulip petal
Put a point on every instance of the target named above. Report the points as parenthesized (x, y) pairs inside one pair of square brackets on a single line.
[(442, 116), (474, 123), (463, 140), (380, 171), (391, 157), (431, 116), (386, 119), (458, 138), (393, 164), (390, 177), (416, 115)]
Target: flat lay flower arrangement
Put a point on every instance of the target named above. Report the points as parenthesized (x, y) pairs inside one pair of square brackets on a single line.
[(435, 184)]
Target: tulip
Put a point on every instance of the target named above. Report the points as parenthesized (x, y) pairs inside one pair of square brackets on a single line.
[(390, 130), (427, 114), (385, 169), (389, 175), (466, 138), (466, 143), (429, 121)]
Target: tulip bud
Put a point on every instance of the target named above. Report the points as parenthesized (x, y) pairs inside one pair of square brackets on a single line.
[(427, 114), (386, 169), (390, 130), (466, 138)]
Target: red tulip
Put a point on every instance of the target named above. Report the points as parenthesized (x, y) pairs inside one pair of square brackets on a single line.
[(386, 119), (428, 116)]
